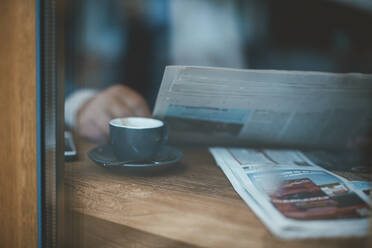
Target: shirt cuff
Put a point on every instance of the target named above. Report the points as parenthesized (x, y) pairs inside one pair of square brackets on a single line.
[(74, 102)]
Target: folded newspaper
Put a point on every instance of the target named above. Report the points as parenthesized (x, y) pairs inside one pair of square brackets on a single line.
[(267, 109), (294, 197)]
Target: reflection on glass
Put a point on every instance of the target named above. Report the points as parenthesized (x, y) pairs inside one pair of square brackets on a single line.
[(116, 57)]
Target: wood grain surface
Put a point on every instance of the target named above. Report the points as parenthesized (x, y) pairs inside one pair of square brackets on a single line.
[(190, 204), (18, 171)]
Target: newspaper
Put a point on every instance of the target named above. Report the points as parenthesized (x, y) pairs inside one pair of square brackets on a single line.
[(294, 197), (264, 108)]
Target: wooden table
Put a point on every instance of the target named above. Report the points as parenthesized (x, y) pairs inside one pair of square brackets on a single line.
[(191, 204)]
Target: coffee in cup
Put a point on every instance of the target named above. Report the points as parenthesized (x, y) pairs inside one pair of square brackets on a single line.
[(137, 138)]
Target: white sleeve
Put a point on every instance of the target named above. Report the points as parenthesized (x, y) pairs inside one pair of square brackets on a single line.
[(73, 104)]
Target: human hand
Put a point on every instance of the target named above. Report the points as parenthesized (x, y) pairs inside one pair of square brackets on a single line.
[(116, 101)]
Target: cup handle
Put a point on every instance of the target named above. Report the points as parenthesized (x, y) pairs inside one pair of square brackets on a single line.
[(165, 133)]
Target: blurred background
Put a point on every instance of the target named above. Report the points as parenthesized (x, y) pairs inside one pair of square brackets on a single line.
[(130, 42)]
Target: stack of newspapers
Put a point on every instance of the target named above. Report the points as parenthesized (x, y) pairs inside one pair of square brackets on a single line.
[(294, 197)]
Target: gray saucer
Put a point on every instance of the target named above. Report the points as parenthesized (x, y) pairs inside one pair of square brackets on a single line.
[(104, 155)]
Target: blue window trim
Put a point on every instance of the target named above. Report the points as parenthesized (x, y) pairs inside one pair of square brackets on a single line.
[(38, 122)]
